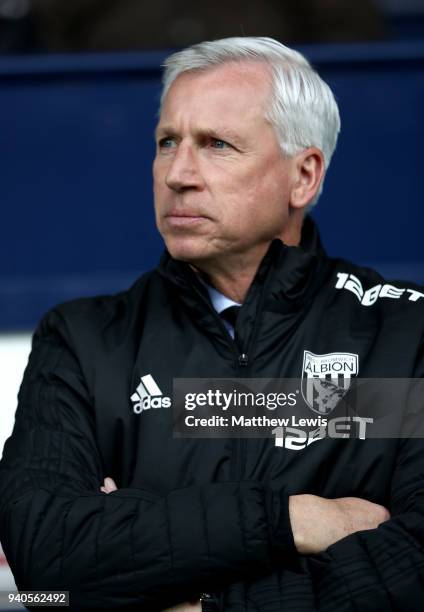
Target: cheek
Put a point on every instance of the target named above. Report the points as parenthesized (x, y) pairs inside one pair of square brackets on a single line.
[(273, 187), (155, 169), (265, 204), (160, 188), (159, 172)]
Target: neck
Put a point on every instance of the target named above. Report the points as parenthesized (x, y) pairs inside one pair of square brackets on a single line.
[(232, 279), (233, 275)]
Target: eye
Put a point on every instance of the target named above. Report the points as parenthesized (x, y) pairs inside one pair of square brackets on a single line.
[(217, 143), (166, 142)]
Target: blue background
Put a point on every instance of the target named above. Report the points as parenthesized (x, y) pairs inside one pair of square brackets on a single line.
[(76, 146)]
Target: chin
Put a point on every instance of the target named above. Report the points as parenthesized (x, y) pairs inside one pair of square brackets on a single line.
[(188, 249)]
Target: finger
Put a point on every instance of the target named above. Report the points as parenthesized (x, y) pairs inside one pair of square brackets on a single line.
[(110, 485)]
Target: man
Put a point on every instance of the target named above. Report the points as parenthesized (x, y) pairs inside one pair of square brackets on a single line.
[(245, 134)]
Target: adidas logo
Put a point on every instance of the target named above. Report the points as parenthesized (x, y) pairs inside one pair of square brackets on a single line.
[(148, 395)]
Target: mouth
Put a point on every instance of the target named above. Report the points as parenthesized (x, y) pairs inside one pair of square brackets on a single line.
[(184, 219)]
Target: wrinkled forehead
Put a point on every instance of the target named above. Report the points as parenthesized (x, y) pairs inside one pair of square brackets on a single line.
[(245, 77)]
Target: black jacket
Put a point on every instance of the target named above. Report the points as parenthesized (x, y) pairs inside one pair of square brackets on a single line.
[(200, 515)]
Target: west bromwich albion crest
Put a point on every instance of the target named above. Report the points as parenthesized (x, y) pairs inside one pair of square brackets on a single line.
[(326, 379)]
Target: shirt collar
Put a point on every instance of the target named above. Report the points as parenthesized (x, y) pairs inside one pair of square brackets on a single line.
[(219, 301)]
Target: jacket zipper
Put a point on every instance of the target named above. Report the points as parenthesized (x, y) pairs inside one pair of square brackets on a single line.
[(241, 359), (243, 365), (240, 443)]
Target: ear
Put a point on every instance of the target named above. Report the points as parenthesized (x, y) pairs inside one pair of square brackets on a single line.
[(309, 171)]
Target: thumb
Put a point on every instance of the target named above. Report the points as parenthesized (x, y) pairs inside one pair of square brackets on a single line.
[(109, 485)]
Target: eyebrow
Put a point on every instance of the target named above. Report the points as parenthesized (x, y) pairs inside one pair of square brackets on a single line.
[(164, 129)]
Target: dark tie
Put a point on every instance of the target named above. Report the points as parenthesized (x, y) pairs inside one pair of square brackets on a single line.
[(230, 315)]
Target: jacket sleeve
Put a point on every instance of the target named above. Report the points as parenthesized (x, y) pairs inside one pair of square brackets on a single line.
[(132, 546), (372, 570), (383, 568)]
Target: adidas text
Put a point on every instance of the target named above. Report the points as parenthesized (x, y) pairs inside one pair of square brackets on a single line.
[(148, 395)]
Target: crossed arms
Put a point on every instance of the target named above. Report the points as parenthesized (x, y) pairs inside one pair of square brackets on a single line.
[(316, 522), (133, 547)]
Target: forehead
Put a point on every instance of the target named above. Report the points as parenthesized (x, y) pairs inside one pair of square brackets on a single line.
[(236, 90)]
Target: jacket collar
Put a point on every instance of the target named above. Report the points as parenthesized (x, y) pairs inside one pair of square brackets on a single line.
[(287, 272), (285, 282)]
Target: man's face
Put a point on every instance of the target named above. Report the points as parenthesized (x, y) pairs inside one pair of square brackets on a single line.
[(221, 184)]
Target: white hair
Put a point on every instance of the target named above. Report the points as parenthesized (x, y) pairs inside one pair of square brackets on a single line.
[(302, 109)]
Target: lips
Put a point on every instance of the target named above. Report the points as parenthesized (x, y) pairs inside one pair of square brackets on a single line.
[(190, 214), (182, 221), (179, 218)]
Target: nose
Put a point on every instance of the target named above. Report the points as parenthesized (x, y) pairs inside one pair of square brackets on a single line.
[(183, 172)]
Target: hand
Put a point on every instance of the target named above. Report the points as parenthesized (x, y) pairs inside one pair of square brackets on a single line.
[(318, 522), (109, 485), (195, 606)]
